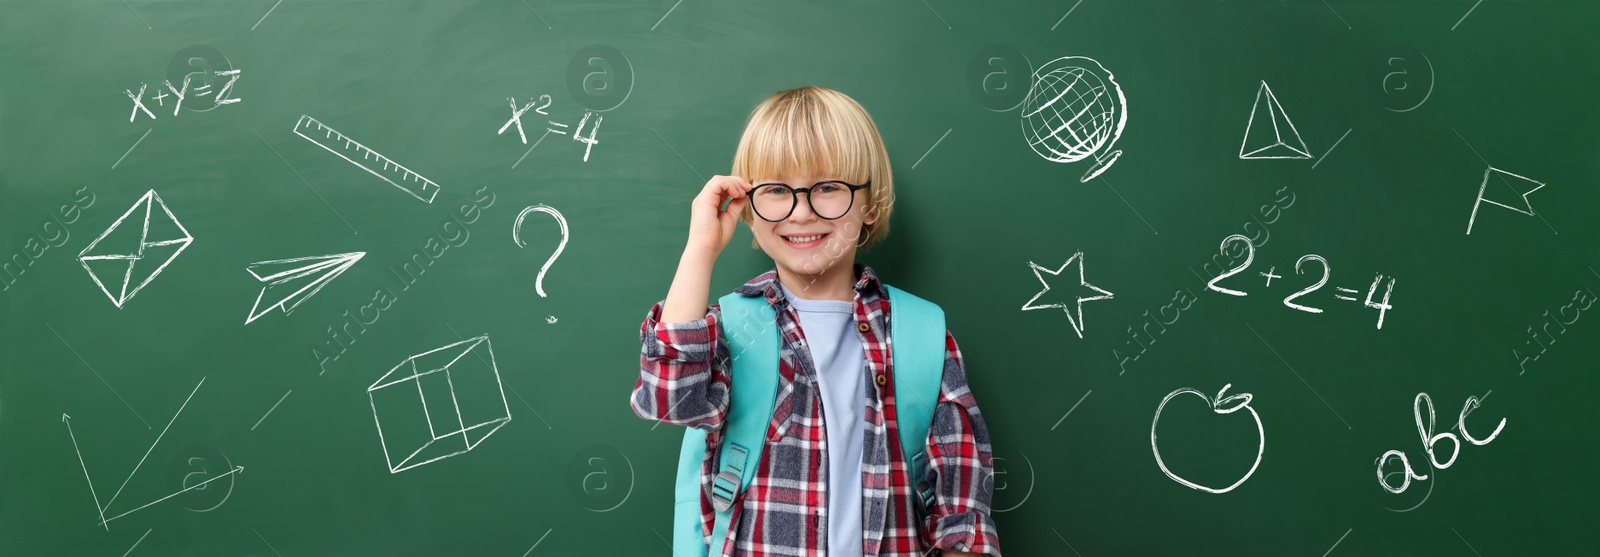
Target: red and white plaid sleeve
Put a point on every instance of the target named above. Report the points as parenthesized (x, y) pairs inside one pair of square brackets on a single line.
[(962, 464), (683, 371)]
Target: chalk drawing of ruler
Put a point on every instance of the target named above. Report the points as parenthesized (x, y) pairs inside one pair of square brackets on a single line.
[(390, 171)]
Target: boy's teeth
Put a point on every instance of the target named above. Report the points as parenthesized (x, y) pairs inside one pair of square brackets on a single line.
[(803, 239)]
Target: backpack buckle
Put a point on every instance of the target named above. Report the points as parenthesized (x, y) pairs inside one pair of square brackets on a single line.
[(723, 488), (924, 491)]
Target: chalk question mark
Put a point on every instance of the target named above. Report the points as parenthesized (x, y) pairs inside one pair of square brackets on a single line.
[(538, 283)]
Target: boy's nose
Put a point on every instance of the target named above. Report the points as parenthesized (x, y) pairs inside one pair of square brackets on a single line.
[(802, 210)]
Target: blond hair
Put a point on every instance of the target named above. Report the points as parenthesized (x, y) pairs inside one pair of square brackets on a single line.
[(815, 131)]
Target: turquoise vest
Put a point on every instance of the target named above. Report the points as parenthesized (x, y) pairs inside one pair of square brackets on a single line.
[(916, 361)]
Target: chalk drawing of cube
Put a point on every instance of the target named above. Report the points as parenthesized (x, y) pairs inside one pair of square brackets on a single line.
[(439, 404)]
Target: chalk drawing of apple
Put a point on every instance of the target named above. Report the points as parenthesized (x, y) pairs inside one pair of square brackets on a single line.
[(1221, 405)]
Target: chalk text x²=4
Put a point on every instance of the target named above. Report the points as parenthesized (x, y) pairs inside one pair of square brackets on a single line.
[(101, 509), (379, 165)]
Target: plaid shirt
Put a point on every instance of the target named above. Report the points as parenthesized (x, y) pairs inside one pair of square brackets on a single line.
[(684, 380)]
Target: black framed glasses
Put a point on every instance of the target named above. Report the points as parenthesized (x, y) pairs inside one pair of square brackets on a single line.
[(829, 199)]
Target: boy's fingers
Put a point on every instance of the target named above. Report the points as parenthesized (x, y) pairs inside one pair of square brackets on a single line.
[(719, 193)]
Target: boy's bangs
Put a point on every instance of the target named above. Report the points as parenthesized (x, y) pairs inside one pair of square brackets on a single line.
[(806, 137)]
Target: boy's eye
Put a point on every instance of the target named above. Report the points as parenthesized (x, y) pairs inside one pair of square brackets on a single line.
[(776, 189), (828, 187)]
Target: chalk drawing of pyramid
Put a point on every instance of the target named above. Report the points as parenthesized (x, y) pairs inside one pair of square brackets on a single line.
[(1271, 135)]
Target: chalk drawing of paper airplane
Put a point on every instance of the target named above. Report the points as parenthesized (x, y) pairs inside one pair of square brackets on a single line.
[(1270, 134), (129, 254), (1519, 185), (292, 281)]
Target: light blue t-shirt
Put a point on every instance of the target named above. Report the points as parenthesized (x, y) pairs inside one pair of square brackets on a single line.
[(840, 362)]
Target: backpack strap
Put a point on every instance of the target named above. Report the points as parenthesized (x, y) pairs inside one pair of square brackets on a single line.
[(747, 325), (917, 350), (753, 349), (687, 538)]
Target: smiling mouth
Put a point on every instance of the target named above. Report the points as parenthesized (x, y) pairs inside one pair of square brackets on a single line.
[(804, 240)]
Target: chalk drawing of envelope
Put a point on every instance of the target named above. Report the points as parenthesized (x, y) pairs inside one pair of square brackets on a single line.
[(129, 254)]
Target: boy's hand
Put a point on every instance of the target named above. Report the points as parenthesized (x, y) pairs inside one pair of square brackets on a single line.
[(711, 227)]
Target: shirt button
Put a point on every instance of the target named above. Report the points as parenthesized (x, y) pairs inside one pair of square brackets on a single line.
[(863, 327), (881, 379)]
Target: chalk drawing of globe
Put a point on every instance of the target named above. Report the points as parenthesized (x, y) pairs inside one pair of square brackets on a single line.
[(1075, 110)]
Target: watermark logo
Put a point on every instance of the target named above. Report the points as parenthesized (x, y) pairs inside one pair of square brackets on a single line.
[(189, 474), (1401, 78), (206, 69), (999, 77), (600, 78), (1013, 482), (600, 478)]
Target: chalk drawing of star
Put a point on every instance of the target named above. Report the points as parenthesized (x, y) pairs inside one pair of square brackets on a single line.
[(1066, 307)]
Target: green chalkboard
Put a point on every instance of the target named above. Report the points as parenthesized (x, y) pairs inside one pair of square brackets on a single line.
[(218, 316)]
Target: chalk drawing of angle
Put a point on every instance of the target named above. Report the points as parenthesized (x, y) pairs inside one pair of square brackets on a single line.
[(289, 282), (379, 165), (103, 509), (1265, 135)]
